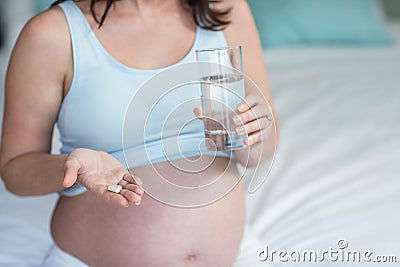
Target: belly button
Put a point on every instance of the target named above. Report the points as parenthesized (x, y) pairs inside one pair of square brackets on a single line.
[(192, 257)]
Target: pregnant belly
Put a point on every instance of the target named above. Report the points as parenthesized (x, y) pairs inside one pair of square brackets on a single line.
[(153, 234)]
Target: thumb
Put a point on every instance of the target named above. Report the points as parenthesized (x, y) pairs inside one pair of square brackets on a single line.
[(198, 112), (72, 166)]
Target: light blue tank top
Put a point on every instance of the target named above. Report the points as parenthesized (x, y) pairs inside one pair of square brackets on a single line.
[(92, 114)]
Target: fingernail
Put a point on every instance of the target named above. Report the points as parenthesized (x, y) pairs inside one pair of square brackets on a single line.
[(241, 107), (237, 120), (137, 203), (138, 180), (240, 130), (249, 140)]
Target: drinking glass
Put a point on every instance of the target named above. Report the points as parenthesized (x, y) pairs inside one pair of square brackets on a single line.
[(222, 89)]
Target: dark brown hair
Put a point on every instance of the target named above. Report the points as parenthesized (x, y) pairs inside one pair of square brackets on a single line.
[(203, 14)]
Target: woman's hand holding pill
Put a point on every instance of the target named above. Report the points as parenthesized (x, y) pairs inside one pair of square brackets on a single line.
[(97, 170)]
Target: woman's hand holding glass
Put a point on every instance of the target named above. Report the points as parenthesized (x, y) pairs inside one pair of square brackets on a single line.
[(96, 170), (253, 119)]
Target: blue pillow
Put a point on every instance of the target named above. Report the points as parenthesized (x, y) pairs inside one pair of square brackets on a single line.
[(42, 5), (289, 22)]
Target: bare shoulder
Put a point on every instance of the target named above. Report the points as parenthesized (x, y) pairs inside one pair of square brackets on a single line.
[(242, 28), (46, 33), (49, 23), (240, 10), (44, 50)]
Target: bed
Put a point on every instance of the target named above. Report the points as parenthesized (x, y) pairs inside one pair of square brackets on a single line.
[(336, 173)]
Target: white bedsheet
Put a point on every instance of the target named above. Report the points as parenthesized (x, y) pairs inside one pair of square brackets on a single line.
[(24, 229), (337, 170)]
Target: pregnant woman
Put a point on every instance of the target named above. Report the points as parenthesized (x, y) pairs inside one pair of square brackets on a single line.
[(78, 65)]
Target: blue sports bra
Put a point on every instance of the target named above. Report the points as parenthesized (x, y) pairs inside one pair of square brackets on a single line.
[(92, 114)]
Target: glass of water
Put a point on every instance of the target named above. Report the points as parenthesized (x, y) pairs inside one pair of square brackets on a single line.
[(222, 89)]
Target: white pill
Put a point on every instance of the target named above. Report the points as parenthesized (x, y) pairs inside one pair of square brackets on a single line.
[(115, 188)]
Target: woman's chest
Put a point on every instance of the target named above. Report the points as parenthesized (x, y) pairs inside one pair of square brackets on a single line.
[(103, 106)]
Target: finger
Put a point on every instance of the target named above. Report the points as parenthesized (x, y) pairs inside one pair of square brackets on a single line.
[(254, 126), (248, 102), (131, 187), (116, 199), (132, 180), (72, 166), (258, 137), (198, 112), (138, 180), (131, 196), (101, 191), (250, 115)]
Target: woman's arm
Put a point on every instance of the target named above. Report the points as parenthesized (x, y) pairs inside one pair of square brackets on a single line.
[(243, 31), (38, 73), (33, 94)]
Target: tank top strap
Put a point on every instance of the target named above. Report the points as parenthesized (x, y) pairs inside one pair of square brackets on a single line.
[(84, 48), (211, 39), (77, 22)]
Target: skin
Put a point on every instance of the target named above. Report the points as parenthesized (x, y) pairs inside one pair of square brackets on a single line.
[(125, 234)]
